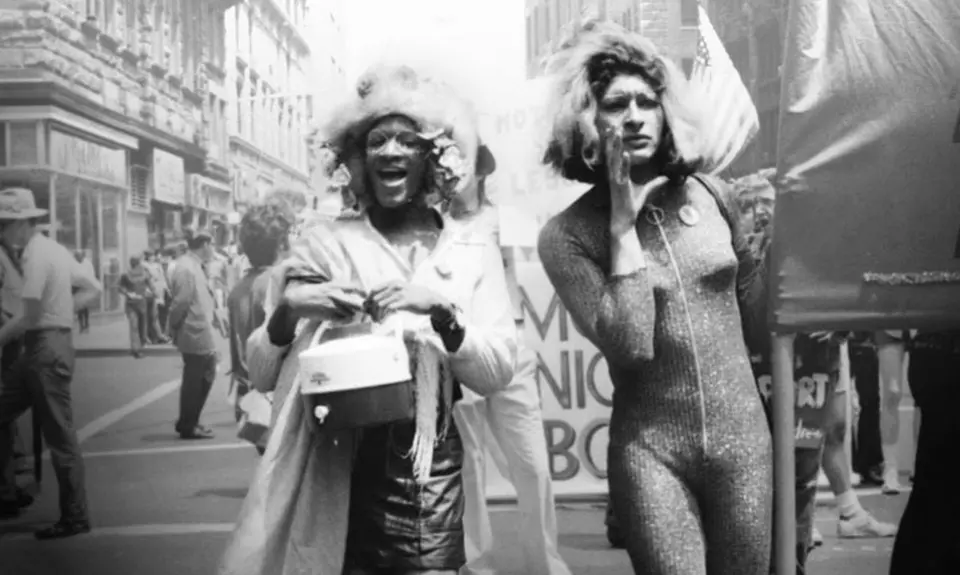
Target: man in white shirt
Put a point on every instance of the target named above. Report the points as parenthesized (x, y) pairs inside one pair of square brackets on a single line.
[(51, 275)]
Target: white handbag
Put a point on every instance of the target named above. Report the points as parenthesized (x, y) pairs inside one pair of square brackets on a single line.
[(257, 409)]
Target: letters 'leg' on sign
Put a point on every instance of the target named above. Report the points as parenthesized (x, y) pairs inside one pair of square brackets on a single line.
[(785, 529)]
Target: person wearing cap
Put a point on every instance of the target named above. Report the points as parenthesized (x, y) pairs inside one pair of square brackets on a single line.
[(54, 287), (191, 318)]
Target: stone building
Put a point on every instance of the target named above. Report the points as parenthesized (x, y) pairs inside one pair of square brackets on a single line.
[(103, 115), (671, 24), (276, 70)]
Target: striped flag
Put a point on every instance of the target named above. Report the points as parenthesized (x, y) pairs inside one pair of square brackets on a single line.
[(733, 121)]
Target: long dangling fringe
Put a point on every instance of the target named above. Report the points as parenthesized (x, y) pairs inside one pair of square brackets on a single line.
[(434, 381)]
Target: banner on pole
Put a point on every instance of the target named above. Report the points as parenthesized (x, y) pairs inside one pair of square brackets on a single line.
[(867, 220)]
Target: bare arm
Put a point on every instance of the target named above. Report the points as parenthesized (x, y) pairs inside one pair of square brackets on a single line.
[(616, 310)]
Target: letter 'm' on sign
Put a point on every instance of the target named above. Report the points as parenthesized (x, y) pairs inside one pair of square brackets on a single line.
[(542, 325)]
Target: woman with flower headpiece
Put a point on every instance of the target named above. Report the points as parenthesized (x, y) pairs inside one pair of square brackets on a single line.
[(385, 499), (653, 269)]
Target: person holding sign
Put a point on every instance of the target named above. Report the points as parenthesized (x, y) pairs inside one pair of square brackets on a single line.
[(651, 265)]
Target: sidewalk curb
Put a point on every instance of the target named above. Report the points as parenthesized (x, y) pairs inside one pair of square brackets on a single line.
[(151, 351)]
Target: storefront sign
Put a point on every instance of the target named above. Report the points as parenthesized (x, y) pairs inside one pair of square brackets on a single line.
[(79, 157), (575, 389), (867, 218), (169, 180)]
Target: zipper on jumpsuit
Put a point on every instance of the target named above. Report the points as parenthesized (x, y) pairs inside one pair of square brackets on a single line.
[(655, 216)]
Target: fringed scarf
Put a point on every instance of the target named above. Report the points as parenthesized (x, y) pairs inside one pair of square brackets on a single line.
[(434, 381)]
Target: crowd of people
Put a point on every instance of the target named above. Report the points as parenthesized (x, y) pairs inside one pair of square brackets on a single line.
[(654, 265)]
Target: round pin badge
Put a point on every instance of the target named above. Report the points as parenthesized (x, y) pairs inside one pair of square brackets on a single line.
[(689, 215)]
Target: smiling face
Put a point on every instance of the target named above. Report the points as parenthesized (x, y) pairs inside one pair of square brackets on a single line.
[(630, 106), (395, 161)]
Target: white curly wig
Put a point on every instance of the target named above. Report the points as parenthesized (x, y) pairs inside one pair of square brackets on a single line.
[(440, 114), (595, 48)]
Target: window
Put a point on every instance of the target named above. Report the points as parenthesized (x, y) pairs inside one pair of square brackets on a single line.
[(689, 12), (241, 109), (22, 144), (66, 224), (222, 136)]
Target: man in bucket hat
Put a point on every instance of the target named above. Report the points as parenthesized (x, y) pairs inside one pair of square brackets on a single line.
[(54, 286)]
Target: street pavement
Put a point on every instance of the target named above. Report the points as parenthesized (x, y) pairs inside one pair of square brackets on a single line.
[(162, 506)]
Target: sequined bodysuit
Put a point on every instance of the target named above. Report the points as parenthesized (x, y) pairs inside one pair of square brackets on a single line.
[(690, 457)]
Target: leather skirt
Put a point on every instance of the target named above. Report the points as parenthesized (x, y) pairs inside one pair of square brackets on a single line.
[(395, 523)]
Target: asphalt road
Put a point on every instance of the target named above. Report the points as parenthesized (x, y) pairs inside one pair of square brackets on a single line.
[(163, 507)]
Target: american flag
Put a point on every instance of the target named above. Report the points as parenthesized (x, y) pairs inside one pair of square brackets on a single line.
[(733, 121)]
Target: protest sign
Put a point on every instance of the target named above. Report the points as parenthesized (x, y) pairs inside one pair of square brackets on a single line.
[(515, 126), (575, 391)]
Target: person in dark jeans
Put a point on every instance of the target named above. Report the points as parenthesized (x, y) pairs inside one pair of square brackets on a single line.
[(135, 288), (193, 319), (867, 447), (263, 234), (927, 541), (54, 287)]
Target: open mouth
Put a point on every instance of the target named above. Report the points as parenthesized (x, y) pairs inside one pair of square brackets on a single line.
[(392, 176)]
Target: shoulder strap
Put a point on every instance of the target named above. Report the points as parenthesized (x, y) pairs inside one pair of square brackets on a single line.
[(709, 182)]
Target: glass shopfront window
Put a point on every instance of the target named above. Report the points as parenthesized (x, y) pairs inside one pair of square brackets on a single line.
[(89, 228), (89, 219), (111, 206), (66, 198)]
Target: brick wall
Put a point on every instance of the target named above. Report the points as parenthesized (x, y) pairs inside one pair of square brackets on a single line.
[(50, 40), (656, 23)]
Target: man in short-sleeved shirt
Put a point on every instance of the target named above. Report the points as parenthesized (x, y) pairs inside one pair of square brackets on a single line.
[(54, 286)]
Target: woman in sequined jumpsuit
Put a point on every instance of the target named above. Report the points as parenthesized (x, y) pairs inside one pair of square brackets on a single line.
[(655, 274)]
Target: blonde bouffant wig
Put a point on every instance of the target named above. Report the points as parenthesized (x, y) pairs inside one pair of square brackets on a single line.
[(445, 121), (583, 67)]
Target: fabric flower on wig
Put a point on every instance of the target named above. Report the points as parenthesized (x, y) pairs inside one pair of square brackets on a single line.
[(449, 167)]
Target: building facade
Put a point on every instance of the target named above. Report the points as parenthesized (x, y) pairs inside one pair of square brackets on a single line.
[(752, 32), (270, 88), (103, 115), (670, 24)]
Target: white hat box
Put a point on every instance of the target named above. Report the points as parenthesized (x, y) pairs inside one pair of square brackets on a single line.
[(362, 378)]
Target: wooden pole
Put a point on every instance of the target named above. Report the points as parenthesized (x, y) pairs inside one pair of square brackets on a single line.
[(785, 529)]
